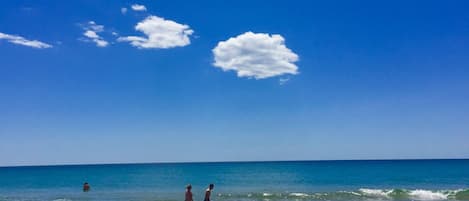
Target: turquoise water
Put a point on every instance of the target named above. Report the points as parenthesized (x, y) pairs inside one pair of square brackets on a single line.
[(243, 181)]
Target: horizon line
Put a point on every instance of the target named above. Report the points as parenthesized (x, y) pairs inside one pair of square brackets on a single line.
[(231, 161)]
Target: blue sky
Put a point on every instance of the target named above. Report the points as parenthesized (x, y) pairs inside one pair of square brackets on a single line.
[(298, 80)]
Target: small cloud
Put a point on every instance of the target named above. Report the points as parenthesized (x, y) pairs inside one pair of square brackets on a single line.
[(124, 11), (96, 38), (282, 81), (255, 55), (27, 9), (19, 40), (160, 33), (95, 27), (138, 7), (91, 33), (100, 43), (114, 33)]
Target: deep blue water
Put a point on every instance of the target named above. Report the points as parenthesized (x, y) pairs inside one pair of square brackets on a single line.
[(243, 181)]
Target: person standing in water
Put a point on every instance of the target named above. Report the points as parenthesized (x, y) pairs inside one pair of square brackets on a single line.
[(189, 193), (208, 192), (86, 187)]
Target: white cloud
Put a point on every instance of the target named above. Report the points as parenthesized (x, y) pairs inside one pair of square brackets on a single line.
[(282, 81), (100, 42), (160, 33), (95, 27), (137, 7), (91, 32), (123, 11), (15, 39), (255, 55)]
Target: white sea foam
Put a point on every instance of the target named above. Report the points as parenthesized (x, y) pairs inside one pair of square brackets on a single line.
[(375, 192), (418, 194), (427, 195), (351, 192), (299, 194), (266, 194)]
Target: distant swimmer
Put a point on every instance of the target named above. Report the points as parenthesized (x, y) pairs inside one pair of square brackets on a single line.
[(189, 193), (86, 187), (208, 192)]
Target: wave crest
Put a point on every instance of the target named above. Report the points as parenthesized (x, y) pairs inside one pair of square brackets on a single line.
[(361, 194)]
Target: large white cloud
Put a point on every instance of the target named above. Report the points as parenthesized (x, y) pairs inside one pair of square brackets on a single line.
[(91, 33), (15, 39), (137, 7), (160, 33), (256, 55)]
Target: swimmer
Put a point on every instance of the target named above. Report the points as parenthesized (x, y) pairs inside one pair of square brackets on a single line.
[(208, 192)]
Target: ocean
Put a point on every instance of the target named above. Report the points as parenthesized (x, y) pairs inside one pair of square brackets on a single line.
[(242, 181)]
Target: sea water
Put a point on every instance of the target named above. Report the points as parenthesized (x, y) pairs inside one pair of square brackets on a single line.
[(242, 181)]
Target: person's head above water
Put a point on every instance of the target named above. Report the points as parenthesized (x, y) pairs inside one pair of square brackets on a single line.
[(211, 186), (189, 187)]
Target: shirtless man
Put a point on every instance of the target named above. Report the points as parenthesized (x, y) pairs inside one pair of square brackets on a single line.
[(208, 192), (189, 193)]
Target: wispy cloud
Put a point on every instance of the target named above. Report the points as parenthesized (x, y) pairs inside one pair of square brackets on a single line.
[(91, 33), (160, 33), (95, 27), (256, 55), (124, 10), (283, 81), (19, 40), (138, 7)]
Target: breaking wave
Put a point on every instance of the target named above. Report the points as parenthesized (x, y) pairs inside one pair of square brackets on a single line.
[(360, 194)]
